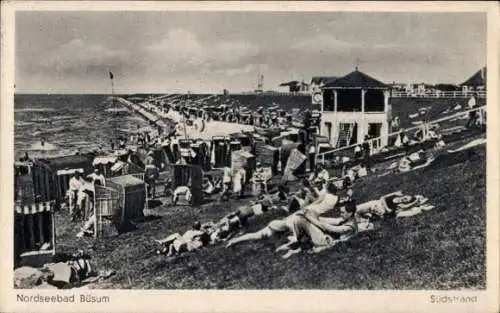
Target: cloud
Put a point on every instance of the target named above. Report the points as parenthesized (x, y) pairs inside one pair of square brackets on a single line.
[(236, 71), (178, 46), (322, 43), (327, 43), (181, 48), (78, 52), (232, 51)]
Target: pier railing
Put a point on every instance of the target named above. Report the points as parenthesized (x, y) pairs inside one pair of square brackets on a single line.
[(446, 124)]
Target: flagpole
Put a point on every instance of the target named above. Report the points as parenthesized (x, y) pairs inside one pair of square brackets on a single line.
[(185, 120), (113, 103)]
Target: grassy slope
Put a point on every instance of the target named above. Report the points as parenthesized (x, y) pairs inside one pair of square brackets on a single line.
[(440, 249), (401, 107)]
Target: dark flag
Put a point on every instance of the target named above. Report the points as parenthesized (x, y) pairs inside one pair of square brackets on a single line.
[(111, 75)]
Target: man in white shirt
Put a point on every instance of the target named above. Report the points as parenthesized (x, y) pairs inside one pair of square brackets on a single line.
[(75, 183)]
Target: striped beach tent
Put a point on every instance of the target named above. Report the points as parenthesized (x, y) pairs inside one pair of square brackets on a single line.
[(34, 229)]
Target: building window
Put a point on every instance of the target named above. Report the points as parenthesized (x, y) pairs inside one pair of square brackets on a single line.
[(328, 100), (349, 100), (374, 100), (374, 130)]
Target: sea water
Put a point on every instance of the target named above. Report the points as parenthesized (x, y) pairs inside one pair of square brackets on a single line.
[(67, 123)]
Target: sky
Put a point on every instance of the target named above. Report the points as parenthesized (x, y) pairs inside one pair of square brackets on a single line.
[(72, 52)]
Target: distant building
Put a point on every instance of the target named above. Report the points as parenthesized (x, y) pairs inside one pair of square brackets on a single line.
[(475, 83), (319, 81), (296, 86), (398, 86), (354, 106)]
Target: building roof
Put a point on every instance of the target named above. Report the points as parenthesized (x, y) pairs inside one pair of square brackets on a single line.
[(356, 79), (291, 83), (294, 83), (126, 180), (318, 80), (478, 79)]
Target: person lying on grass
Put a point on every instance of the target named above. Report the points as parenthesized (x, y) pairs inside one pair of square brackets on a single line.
[(395, 204), (414, 161), (232, 223), (66, 271), (325, 204), (191, 240)]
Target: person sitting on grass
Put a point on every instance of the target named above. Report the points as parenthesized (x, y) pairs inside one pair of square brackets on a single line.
[(322, 233), (326, 199), (318, 208), (226, 184), (191, 240), (303, 197), (210, 186), (182, 191), (320, 174), (88, 227), (390, 205)]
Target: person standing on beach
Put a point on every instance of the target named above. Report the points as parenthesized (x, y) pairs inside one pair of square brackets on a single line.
[(75, 183)]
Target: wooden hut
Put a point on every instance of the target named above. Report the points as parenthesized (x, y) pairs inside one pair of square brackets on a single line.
[(132, 196), (243, 160), (201, 155), (268, 156)]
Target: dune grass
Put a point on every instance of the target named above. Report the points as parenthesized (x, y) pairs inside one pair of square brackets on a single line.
[(440, 249)]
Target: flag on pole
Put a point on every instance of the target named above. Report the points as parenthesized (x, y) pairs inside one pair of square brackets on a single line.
[(111, 75)]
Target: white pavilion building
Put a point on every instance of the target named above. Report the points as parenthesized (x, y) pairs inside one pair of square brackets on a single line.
[(354, 106)]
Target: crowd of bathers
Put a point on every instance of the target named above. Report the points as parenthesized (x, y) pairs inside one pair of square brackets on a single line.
[(316, 216)]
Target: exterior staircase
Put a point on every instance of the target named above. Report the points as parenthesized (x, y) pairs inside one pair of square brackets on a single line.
[(345, 134)]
